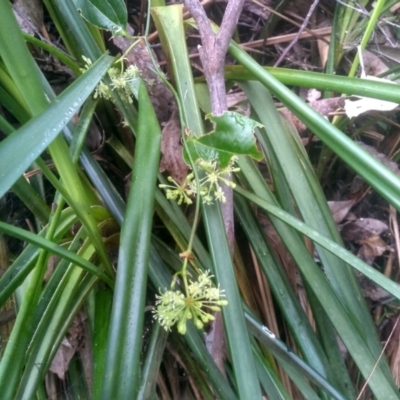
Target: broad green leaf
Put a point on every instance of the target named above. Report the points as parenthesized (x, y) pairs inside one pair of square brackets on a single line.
[(109, 15), (233, 135)]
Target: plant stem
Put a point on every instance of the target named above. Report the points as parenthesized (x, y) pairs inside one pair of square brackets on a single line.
[(214, 48), (212, 54)]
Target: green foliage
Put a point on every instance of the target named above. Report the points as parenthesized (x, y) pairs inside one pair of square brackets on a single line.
[(111, 16), (121, 377), (35, 136), (233, 135), (201, 298), (88, 252)]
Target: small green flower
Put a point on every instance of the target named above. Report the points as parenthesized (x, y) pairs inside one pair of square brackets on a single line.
[(131, 73), (88, 64), (102, 90), (150, 82), (220, 195), (211, 182), (178, 192), (208, 188), (202, 297), (170, 306), (119, 81)]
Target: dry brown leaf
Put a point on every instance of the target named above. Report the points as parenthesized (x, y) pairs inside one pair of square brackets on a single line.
[(395, 7), (68, 347), (362, 229), (59, 365), (393, 350), (323, 49), (29, 14), (325, 107), (340, 209), (373, 63), (235, 98), (370, 290), (171, 149), (371, 248), (383, 158)]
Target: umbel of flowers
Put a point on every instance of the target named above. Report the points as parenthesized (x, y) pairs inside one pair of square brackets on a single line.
[(207, 187), (200, 299), (214, 154), (119, 81)]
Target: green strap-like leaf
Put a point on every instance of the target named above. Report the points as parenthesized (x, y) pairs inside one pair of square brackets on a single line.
[(169, 23), (375, 173), (53, 248), (339, 251), (34, 137), (321, 81), (122, 370)]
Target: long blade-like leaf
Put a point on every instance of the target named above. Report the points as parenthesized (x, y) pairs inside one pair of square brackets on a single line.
[(380, 177), (122, 372), (35, 136), (170, 26)]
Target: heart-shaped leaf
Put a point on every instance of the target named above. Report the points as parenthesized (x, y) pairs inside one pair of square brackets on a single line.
[(233, 135), (109, 15)]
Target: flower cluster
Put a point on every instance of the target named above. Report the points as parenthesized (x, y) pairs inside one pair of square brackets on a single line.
[(119, 80), (180, 193), (209, 186), (173, 306)]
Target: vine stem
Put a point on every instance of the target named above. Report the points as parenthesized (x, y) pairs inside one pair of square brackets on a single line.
[(194, 169), (212, 54)]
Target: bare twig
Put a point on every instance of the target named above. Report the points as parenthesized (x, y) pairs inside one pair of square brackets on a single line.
[(303, 26), (316, 33), (214, 48), (378, 360)]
